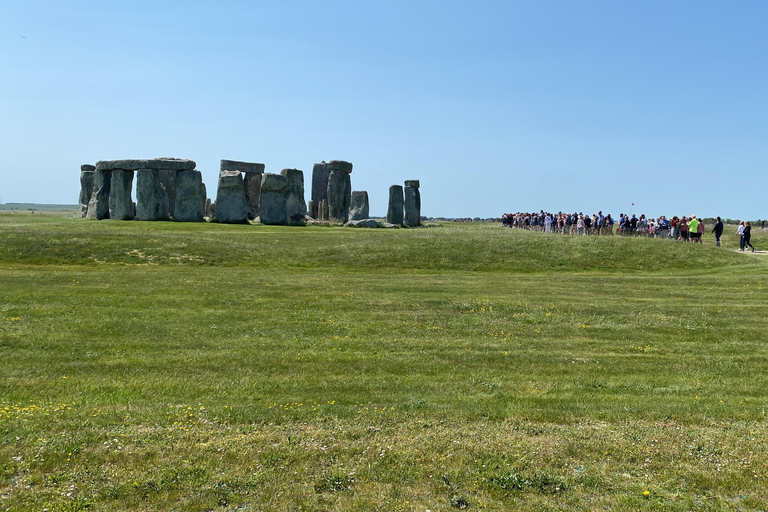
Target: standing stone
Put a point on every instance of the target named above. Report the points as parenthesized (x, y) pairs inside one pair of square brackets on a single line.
[(168, 180), (312, 207), (295, 206), (320, 173), (86, 187), (253, 172), (204, 197), (395, 209), (412, 204), (358, 205), (339, 195), (231, 207), (151, 198), (190, 202), (322, 210), (272, 209), (98, 206), (120, 203)]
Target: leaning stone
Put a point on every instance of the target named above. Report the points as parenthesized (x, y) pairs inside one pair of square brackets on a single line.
[(151, 198), (412, 207), (231, 207), (246, 167), (168, 179), (358, 205), (339, 196), (98, 205), (320, 173), (294, 194), (362, 223), (190, 206), (252, 183), (86, 187), (340, 165), (172, 164), (120, 203), (272, 207), (395, 208)]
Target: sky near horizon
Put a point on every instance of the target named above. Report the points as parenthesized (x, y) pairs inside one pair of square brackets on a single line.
[(495, 106)]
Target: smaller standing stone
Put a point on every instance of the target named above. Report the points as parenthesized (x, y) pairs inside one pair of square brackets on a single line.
[(323, 210), (272, 208), (86, 187), (395, 208), (190, 206), (151, 198), (98, 206), (312, 209), (412, 204), (231, 207), (120, 203), (358, 206)]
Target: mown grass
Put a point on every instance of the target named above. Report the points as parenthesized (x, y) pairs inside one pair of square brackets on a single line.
[(162, 366)]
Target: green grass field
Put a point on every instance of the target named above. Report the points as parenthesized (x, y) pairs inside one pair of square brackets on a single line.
[(170, 366)]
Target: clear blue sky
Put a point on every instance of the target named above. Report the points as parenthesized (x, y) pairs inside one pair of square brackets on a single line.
[(495, 106)]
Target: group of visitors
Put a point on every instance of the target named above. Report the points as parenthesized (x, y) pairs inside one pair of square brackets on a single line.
[(689, 229)]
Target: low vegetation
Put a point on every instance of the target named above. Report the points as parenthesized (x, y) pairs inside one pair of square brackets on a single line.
[(166, 366)]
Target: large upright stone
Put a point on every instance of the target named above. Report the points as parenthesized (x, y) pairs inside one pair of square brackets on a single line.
[(272, 208), (412, 204), (395, 208), (320, 173), (86, 187), (252, 180), (168, 180), (190, 197), (98, 206), (231, 207), (358, 205), (120, 203), (295, 205), (339, 195), (151, 198)]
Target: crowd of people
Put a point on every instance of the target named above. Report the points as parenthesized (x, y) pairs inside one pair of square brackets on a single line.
[(689, 229)]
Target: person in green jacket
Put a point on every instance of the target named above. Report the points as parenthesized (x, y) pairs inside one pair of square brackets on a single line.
[(693, 228)]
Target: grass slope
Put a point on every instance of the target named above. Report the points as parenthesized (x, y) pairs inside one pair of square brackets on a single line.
[(166, 366)]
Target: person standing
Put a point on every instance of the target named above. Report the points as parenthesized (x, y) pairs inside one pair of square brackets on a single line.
[(740, 232), (700, 231), (693, 228), (747, 235), (718, 231)]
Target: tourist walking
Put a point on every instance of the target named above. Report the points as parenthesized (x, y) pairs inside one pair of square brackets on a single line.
[(740, 232), (747, 235), (718, 231)]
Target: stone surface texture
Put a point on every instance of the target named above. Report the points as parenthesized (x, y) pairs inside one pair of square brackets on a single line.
[(231, 207), (151, 198), (395, 207), (322, 210), (320, 174), (190, 197), (358, 205), (252, 183), (412, 206), (339, 196), (312, 209), (98, 205), (87, 176), (246, 167), (340, 165), (294, 195), (120, 203), (173, 164), (412, 183), (272, 207), (363, 223)]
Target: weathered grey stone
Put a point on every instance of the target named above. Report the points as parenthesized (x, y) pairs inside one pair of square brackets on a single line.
[(320, 173), (231, 207), (272, 206), (395, 208), (388, 225), (252, 183), (339, 196), (151, 198), (120, 203), (412, 183), (208, 207), (294, 195), (98, 205), (203, 196), (363, 223), (358, 205), (312, 209), (190, 205), (86, 187), (246, 167), (323, 210), (412, 206), (173, 164), (340, 165), (168, 180)]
